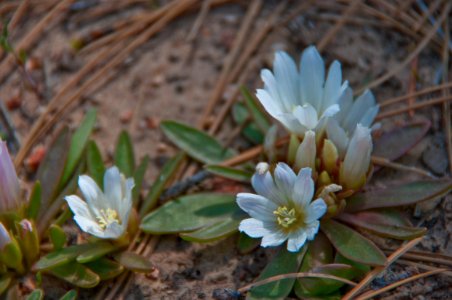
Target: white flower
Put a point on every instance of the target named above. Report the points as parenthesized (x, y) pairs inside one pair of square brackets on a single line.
[(342, 126), (302, 99), (104, 214), (282, 210), (357, 159), (9, 183)]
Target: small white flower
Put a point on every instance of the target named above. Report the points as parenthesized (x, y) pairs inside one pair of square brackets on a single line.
[(282, 210), (357, 159), (342, 126), (104, 214), (9, 183), (302, 99)]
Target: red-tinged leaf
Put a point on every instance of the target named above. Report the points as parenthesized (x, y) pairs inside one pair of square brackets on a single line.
[(397, 142), (402, 195), (390, 216), (384, 229), (352, 245)]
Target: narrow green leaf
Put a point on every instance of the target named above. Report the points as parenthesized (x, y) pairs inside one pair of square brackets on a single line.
[(78, 143), (71, 295), (138, 177), (51, 169), (166, 174), (37, 294), (76, 274), (402, 195), (251, 131), (105, 268), (34, 202), (189, 213), (92, 254), (5, 281), (62, 257), (246, 244), (358, 270), (95, 163), (124, 156), (384, 229), (352, 245), (134, 262), (230, 173), (213, 232), (57, 236), (198, 144), (256, 113), (284, 262)]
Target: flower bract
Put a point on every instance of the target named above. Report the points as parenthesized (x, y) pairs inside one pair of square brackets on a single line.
[(9, 183)]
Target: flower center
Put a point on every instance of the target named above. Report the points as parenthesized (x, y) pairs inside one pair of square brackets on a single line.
[(285, 216), (107, 217)]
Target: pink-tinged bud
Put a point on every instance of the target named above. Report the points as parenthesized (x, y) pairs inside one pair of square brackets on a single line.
[(10, 254), (306, 153), (9, 183), (357, 159), (28, 241)]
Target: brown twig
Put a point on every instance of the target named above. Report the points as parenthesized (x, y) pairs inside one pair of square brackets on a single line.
[(381, 161), (436, 88)]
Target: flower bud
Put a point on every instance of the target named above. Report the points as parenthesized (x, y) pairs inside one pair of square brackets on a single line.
[(28, 240), (329, 156), (9, 183), (357, 159), (306, 153), (10, 254)]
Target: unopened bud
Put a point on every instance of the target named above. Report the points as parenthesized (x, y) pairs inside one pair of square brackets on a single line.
[(29, 241), (329, 156), (10, 254)]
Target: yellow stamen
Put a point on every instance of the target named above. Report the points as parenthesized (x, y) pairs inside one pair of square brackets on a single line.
[(107, 217), (285, 216)]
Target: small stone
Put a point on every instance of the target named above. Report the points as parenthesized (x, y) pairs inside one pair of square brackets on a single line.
[(162, 147), (154, 274), (34, 160), (152, 122), (14, 102), (126, 116)]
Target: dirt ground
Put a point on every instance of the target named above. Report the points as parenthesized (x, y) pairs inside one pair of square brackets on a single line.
[(172, 78)]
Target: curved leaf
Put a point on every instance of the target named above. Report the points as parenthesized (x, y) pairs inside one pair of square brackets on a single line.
[(138, 177), (62, 257), (246, 244), (76, 274), (251, 131), (213, 232), (133, 261), (256, 113), (95, 163), (36, 295), (71, 295), (124, 156), (230, 173), (105, 268), (100, 250), (352, 245), (34, 202), (5, 280), (198, 144), (405, 194)]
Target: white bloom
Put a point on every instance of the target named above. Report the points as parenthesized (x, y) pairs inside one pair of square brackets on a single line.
[(357, 159), (306, 153), (104, 214), (282, 210), (302, 99), (9, 183), (341, 127)]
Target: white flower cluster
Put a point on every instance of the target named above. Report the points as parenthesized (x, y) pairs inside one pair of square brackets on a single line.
[(322, 112)]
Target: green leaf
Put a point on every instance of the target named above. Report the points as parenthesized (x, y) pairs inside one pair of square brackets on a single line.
[(36, 295), (256, 113), (95, 163), (167, 173), (214, 231), (124, 156), (5, 281), (71, 295), (284, 262), (138, 177), (34, 202), (352, 245), (57, 236), (230, 173), (134, 262), (92, 254), (384, 229), (78, 143), (358, 270), (76, 274), (51, 169), (402, 195), (251, 131), (189, 213), (198, 144), (105, 268), (246, 244), (62, 257)]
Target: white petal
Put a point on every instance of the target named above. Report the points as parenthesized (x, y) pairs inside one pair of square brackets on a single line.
[(114, 230), (291, 123), (345, 102), (306, 152), (333, 83), (312, 76), (254, 228), (284, 178), (273, 239), (264, 185), (112, 188), (89, 226), (303, 190), (315, 210), (286, 76), (257, 206), (296, 241), (358, 109), (330, 111), (78, 206), (312, 229), (306, 115), (270, 104), (338, 136), (369, 116), (92, 193)]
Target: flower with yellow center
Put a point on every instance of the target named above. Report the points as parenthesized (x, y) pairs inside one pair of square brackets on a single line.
[(283, 208), (104, 214)]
